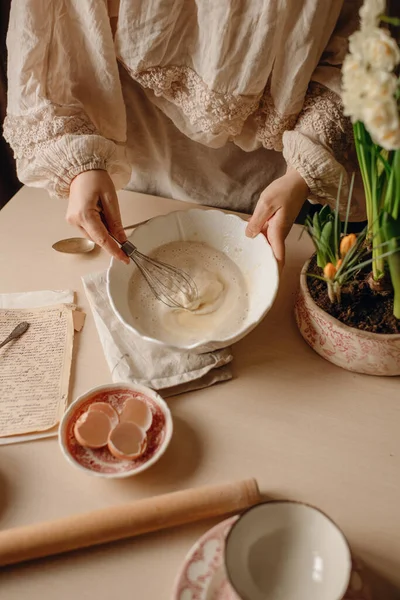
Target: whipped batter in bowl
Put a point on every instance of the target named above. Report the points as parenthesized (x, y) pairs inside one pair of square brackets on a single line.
[(220, 308), (237, 280)]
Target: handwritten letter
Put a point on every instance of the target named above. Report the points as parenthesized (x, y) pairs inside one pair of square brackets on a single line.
[(35, 369)]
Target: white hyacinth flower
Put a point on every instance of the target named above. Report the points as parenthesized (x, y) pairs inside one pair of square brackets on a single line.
[(381, 85), (368, 82), (381, 118), (360, 85), (370, 13), (375, 48), (356, 45), (355, 83), (380, 50)]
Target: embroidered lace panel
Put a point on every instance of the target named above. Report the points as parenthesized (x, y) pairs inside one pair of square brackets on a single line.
[(28, 134), (207, 110), (323, 113)]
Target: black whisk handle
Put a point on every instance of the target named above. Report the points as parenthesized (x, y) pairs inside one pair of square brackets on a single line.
[(128, 248)]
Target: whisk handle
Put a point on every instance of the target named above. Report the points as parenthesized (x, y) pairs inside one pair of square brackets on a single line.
[(128, 248)]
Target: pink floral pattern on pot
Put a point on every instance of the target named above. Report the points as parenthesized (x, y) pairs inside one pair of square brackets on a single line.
[(202, 576), (346, 347), (101, 460)]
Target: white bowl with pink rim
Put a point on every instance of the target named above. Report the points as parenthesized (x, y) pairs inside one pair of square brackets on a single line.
[(222, 231), (100, 462), (347, 347), (284, 550)]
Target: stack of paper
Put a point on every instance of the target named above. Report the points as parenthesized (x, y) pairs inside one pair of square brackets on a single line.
[(35, 368)]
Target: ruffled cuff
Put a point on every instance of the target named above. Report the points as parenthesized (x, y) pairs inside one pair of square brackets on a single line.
[(316, 165), (321, 149), (53, 146), (56, 165), (322, 173)]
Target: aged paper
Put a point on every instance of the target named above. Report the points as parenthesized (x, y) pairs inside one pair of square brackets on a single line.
[(35, 369), (79, 318)]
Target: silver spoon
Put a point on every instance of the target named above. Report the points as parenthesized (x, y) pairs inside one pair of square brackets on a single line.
[(80, 245), (75, 245), (16, 333)]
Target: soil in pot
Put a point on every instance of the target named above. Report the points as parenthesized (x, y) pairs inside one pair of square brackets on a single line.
[(360, 306)]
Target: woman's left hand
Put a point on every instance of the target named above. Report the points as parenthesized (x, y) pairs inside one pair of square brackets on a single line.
[(277, 209)]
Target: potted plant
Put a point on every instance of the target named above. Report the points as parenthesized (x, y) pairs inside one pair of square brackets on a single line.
[(348, 307)]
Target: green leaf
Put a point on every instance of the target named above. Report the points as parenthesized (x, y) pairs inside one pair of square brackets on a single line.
[(396, 198), (326, 233), (324, 214), (370, 260), (337, 227), (346, 222), (395, 21), (316, 225), (316, 234), (326, 242), (383, 163), (316, 276), (391, 232), (390, 190)]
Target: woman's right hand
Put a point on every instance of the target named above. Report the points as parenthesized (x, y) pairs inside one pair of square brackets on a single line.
[(86, 190)]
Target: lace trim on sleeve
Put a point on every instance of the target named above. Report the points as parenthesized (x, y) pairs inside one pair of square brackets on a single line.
[(321, 149), (29, 134), (271, 124), (322, 115)]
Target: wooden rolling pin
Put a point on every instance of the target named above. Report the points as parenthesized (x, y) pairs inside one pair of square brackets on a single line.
[(119, 522)]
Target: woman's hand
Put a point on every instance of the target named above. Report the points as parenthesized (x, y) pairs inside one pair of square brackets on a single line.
[(83, 210), (277, 209)]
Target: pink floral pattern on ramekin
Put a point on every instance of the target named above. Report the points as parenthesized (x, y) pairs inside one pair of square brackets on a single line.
[(202, 576), (346, 347), (101, 460)]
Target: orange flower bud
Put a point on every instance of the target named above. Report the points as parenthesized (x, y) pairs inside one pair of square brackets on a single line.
[(347, 243), (329, 271), (339, 264)]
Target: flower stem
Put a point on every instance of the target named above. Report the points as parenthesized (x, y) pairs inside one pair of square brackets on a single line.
[(338, 291), (331, 292), (391, 230), (378, 263), (358, 129), (368, 159)]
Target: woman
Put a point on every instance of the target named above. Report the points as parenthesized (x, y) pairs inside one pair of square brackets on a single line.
[(232, 104)]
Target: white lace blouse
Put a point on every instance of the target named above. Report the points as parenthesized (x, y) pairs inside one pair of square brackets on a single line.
[(171, 89)]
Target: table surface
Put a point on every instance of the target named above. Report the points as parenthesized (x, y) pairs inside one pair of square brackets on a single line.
[(304, 428)]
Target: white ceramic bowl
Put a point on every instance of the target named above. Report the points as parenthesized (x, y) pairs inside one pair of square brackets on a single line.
[(101, 462), (226, 233), (287, 551)]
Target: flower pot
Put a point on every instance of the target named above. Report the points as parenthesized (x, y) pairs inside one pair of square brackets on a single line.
[(347, 347)]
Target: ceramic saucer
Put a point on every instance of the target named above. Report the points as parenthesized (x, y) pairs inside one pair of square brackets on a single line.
[(202, 575)]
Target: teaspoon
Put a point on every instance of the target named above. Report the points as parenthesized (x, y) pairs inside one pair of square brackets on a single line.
[(80, 245), (16, 333), (74, 245)]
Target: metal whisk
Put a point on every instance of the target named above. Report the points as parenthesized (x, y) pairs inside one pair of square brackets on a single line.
[(170, 285)]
